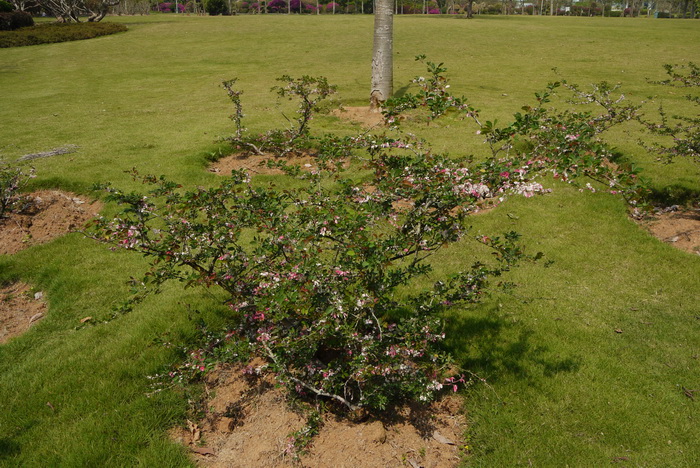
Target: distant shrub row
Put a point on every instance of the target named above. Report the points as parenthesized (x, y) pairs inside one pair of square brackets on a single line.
[(57, 32), (9, 21), (169, 7), (6, 7)]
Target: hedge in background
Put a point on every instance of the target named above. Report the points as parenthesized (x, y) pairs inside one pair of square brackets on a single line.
[(57, 32), (15, 20), (6, 7)]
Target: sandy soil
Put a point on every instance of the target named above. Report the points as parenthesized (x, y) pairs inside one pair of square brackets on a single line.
[(20, 308), (52, 214), (248, 423), (257, 164), (677, 227), (361, 115)]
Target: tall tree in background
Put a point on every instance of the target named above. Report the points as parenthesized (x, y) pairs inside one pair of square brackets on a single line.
[(70, 11), (23, 5), (382, 55), (470, 8)]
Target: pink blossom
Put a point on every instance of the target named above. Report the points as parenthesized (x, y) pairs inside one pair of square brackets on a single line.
[(259, 316), (263, 337)]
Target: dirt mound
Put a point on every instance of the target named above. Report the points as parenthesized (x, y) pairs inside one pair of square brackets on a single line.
[(248, 423), (51, 214), (20, 308), (677, 227)]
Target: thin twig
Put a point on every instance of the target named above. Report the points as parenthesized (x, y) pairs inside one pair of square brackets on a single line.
[(307, 386)]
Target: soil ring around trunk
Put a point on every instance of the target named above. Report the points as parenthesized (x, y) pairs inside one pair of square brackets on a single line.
[(257, 164), (49, 214), (677, 227), (363, 115), (248, 422), (20, 308)]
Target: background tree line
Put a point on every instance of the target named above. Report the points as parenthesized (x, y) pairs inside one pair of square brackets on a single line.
[(95, 10)]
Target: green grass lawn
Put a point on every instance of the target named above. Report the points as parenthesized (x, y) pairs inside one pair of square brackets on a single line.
[(564, 389)]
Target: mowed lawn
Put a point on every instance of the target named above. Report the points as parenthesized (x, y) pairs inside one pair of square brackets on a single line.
[(563, 387)]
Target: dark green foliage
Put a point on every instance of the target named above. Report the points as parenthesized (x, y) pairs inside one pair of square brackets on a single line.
[(216, 7), (6, 22), (57, 32), (6, 7), (21, 19), (15, 20)]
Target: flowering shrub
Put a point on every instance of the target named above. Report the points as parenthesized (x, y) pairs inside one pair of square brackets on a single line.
[(315, 276), (571, 139), (434, 11), (568, 142), (684, 131), (296, 4), (316, 292), (433, 95), (171, 7), (309, 90), (281, 6), (277, 6)]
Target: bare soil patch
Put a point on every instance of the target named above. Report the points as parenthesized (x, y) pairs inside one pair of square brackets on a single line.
[(362, 115), (677, 227), (20, 308), (51, 214), (257, 164), (248, 423)]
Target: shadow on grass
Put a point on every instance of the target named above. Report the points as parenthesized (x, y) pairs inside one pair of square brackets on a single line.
[(496, 348), (8, 448), (401, 92), (674, 194)]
